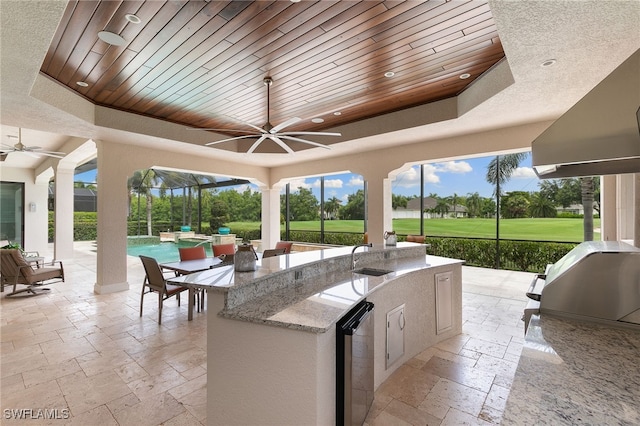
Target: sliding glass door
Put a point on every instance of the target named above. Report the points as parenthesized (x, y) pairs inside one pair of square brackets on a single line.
[(12, 212)]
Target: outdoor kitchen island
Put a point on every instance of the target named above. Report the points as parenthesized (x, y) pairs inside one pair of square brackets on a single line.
[(271, 333)]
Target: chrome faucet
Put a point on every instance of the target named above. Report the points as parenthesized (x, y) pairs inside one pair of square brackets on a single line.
[(353, 253)]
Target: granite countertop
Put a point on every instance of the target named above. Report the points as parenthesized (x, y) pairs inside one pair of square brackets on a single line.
[(324, 292), (576, 372), (317, 303)]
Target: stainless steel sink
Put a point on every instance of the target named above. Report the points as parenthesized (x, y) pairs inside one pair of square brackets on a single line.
[(371, 271)]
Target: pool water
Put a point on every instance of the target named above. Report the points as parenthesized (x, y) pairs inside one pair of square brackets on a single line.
[(163, 252)]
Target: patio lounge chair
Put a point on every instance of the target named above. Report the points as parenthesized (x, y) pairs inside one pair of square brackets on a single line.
[(16, 270)]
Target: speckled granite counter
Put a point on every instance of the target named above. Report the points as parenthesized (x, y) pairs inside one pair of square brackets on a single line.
[(575, 373), (321, 292)]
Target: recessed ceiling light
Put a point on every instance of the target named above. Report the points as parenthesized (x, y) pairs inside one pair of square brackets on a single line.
[(465, 76), (317, 120), (132, 18), (548, 63), (389, 74), (111, 38), (337, 113), (82, 84), (295, 1)]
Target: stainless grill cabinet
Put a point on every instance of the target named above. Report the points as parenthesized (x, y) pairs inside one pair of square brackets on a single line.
[(597, 280)]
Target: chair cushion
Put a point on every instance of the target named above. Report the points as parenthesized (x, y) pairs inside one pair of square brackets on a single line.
[(173, 289), (286, 245), (219, 249), (191, 253), (46, 273)]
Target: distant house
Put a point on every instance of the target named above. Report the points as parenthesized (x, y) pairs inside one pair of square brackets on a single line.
[(574, 209), (84, 199), (412, 211)]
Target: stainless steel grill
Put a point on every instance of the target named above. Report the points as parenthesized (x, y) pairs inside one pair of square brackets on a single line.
[(597, 281)]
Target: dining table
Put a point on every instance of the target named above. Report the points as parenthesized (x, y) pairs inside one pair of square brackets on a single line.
[(186, 267)]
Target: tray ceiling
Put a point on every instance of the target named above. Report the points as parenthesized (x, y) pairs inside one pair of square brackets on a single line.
[(202, 63)]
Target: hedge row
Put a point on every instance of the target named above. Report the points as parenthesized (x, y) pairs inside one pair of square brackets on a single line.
[(531, 256)]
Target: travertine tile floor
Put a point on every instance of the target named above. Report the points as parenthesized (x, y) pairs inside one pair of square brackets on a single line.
[(91, 358)]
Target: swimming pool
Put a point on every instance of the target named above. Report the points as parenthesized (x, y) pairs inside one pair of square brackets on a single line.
[(163, 252)]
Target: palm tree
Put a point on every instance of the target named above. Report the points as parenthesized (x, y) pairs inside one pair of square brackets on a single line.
[(474, 205), (331, 206), (441, 208), (141, 183), (499, 172), (586, 184), (541, 206)]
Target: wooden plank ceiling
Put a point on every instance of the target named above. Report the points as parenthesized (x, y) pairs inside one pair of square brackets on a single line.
[(199, 63)]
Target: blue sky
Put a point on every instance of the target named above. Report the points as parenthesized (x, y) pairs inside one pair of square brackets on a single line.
[(444, 179)]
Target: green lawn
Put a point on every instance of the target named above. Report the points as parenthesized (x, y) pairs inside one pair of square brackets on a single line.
[(516, 229)]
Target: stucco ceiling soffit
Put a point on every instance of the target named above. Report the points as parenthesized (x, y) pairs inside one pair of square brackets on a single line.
[(486, 86), (52, 93)]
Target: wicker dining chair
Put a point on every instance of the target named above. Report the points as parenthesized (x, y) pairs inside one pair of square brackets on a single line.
[(194, 253), (156, 282), (273, 252), (286, 245)]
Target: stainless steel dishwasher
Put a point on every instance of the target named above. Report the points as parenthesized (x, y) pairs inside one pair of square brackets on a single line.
[(354, 365)]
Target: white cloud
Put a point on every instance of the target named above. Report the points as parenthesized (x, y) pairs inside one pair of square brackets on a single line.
[(333, 183), (523, 173), (356, 181), (454, 167), (411, 177), (296, 184)]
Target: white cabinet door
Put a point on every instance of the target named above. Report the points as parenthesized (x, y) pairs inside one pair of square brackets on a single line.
[(395, 334), (444, 302)]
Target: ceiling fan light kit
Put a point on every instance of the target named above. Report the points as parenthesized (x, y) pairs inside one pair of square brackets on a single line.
[(274, 133)]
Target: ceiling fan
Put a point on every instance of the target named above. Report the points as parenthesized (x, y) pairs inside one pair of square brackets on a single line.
[(276, 134), (33, 151)]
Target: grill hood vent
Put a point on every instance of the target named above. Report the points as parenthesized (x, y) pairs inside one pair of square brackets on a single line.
[(599, 135)]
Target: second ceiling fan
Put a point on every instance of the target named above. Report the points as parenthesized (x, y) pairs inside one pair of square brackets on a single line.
[(276, 134)]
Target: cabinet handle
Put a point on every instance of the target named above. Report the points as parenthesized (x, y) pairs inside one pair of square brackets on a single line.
[(401, 321)]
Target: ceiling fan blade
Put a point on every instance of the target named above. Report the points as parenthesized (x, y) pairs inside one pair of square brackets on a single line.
[(291, 138), (45, 151), (287, 123), (246, 123), (283, 145), (233, 139), (29, 153), (310, 133), (51, 154), (218, 130), (256, 143)]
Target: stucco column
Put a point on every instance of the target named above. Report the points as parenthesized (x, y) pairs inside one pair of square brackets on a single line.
[(63, 213), (379, 209), (270, 217), (111, 274), (625, 206), (36, 222), (608, 215), (636, 210)]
